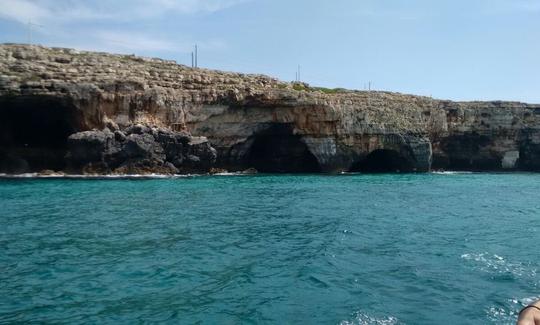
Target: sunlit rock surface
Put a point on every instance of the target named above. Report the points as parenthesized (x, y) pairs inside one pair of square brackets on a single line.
[(49, 94)]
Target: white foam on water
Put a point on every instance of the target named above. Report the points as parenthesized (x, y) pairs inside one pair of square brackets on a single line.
[(505, 313), (493, 263), (26, 175), (111, 176), (449, 172), (361, 318), (115, 176), (231, 174), (501, 316), (525, 301), (508, 314)]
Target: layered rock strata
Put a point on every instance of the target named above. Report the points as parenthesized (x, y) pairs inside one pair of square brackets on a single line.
[(49, 94)]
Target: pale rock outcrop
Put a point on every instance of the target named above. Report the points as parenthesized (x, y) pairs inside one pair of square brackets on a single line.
[(47, 94)]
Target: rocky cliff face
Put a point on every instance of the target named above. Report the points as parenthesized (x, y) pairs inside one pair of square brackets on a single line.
[(49, 95)]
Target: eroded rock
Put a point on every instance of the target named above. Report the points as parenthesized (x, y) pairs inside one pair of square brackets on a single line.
[(152, 113), (139, 150)]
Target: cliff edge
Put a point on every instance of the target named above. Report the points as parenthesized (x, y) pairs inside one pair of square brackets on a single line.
[(62, 109)]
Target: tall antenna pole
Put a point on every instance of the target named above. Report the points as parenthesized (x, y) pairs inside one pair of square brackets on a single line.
[(196, 56), (30, 26), (30, 31)]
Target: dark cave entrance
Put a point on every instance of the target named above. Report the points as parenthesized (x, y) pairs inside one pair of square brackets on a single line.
[(34, 132), (278, 150), (383, 161)]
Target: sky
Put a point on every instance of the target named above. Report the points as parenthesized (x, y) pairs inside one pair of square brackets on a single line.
[(449, 49)]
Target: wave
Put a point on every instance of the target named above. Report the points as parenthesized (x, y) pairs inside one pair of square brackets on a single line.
[(361, 318), (449, 172), (508, 313), (76, 176), (500, 267), (501, 315), (525, 301), (493, 263), (115, 176), (232, 174)]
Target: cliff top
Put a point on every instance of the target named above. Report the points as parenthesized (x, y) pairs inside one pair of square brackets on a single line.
[(38, 67)]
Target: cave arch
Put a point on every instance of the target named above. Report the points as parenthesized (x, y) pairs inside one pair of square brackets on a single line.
[(34, 132), (278, 150), (384, 161)]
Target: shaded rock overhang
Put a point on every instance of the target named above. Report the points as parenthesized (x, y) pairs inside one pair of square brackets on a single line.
[(52, 92)]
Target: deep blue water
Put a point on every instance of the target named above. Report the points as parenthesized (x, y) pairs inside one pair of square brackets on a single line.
[(353, 249)]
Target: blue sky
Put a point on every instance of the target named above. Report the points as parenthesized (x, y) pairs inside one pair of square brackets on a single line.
[(451, 49)]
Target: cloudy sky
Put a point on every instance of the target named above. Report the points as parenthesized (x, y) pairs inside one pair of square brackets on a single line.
[(456, 49)]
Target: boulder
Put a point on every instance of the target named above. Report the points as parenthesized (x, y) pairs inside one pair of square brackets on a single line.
[(139, 149), (142, 146), (89, 146)]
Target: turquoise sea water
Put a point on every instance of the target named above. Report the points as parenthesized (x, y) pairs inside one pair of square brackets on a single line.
[(351, 249)]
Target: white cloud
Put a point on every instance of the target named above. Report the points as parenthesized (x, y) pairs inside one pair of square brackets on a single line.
[(130, 42), (44, 11), (23, 11), (82, 24), (187, 6)]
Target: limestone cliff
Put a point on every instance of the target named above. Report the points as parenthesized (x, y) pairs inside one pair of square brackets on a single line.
[(48, 94)]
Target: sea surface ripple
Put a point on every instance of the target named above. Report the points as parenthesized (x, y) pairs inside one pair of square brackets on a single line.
[(270, 249)]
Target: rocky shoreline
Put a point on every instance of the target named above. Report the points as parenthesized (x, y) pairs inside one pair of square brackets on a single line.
[(138, 150), (98, 113), (135, 150)]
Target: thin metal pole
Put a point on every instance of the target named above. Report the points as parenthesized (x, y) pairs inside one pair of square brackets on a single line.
[(29, 31), (30, 27), (196, 56)]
